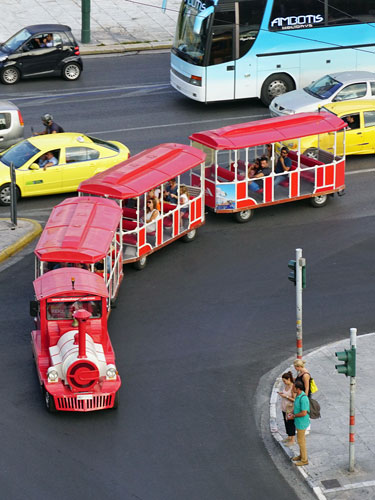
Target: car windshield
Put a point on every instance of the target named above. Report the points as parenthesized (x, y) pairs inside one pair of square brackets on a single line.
[(16, 40), (323, 88), (19, 154), (105, 144)]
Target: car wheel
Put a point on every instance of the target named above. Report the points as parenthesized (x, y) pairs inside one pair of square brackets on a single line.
[(319, 201), (49, 401), (190, 236), (71, 71), (5, 195), (10, 75), (140, 264), (275, 85), (244, 215), (312, 153)]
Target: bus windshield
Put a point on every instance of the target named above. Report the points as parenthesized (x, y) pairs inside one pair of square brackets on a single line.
[(188, 44), (323, 88)]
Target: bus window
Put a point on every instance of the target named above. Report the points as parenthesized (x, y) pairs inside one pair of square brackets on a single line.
[(349, 12), (294, 14), (221, 46), (251, 15)]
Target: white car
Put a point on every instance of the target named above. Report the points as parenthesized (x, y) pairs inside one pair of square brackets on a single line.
[(335, 87)]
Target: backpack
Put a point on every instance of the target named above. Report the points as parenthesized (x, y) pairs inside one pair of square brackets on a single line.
[(314, 409)]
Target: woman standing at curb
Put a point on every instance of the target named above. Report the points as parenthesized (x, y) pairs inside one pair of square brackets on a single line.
[(304, 376), (287, 404)]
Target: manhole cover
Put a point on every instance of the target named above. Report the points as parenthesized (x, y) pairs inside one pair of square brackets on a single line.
[(330, 483)]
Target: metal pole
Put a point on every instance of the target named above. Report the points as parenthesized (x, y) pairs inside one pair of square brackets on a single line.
[(13, 195), (85, 32), (299, 301), (353, 345)]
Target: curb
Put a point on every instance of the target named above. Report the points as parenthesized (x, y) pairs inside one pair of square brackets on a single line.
[(123, 48), (22, 242)]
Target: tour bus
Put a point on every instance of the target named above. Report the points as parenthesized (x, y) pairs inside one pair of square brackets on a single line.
[(72, 350), (83, 232), (154, 173), (234, 183), (225, 49)]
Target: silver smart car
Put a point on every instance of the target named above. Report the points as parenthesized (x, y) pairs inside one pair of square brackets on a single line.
[(11, 125)]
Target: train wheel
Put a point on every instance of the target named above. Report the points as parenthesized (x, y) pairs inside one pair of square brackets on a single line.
[(190, 236), (319, 201), (140, 264), (244, 215), (49, 401)]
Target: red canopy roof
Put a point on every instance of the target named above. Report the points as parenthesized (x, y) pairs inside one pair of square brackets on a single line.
[(144, 171), (245, 135), (59, 282), (79, 230)]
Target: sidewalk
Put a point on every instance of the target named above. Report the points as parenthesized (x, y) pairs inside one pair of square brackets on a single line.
[(328, 441), (116, 25), (14, 239)]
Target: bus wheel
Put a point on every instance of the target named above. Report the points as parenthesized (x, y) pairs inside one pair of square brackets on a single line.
[(311, 153), (190, 236), (49, 401), (140, 264), (244, 215), (275, 85), (319, 201)]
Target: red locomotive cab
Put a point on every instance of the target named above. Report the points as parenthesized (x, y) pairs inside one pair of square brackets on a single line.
[(73, 353)]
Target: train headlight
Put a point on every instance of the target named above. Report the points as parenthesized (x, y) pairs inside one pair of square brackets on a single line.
[(111, 373), (52, 374)]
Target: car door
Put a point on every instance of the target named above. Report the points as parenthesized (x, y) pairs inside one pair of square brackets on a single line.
[(80, 164), (40, 181), (368, 132), (36, 58), (354, 138)]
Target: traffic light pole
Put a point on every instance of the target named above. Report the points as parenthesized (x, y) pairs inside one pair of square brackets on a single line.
[(353, 346), (299, 264)]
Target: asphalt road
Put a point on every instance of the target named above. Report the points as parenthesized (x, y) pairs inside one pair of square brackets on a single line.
[(194, 332)]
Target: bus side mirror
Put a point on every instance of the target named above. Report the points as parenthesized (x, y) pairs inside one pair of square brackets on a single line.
[(34, 308), (201, 17)]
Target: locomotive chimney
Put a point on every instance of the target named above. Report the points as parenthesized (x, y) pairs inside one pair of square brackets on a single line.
[(82, 316)]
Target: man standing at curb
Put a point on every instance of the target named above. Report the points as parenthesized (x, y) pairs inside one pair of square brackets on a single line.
[(301, 421)]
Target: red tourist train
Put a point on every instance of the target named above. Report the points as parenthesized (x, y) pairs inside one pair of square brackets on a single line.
[(73, 353)]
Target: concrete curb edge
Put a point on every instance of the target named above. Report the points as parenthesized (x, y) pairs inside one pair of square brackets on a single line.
[(123, 48), (23, 241)]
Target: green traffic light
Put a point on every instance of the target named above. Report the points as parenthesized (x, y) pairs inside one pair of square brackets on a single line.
[(292, 275), (348, 368)]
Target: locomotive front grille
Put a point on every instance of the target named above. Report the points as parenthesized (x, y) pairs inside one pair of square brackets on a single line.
[(91, 403)]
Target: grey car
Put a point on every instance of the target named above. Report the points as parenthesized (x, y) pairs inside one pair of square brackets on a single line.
[(335, 87), (11, 125)]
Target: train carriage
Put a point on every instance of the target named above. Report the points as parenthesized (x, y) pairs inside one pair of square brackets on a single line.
[(130, 184), (83, 232), (231, 152)]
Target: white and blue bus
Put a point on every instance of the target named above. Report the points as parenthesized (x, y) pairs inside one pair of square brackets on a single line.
[(225, 49)]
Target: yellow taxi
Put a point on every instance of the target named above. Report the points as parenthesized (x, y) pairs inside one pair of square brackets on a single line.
[(56, 163), (359, 135)]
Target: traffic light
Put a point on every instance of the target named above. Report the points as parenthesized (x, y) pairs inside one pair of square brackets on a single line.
[(293, 274), (349, 358), (303, 276)]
